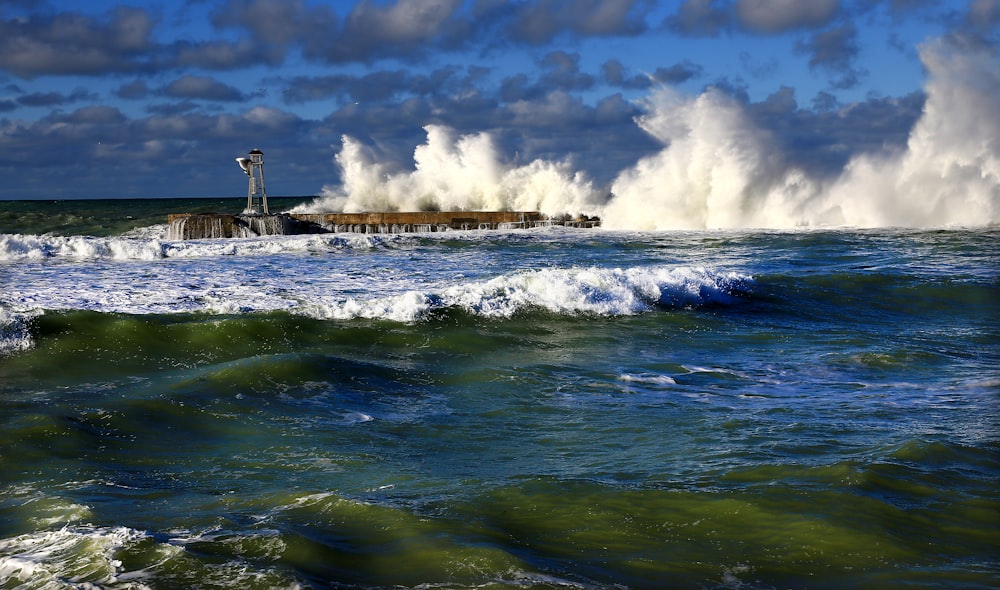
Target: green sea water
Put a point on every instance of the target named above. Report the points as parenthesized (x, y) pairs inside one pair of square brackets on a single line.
[(527, 409)]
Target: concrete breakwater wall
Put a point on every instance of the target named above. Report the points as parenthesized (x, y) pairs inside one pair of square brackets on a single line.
[(190, 226), (185, 226)]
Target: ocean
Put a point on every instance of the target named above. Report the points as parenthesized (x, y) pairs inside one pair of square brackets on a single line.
[(530, 408)]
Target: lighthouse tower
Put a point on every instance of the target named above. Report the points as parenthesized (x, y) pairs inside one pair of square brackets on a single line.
[(254, 169)]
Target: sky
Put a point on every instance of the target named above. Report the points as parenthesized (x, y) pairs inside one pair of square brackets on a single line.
[(107, 99)]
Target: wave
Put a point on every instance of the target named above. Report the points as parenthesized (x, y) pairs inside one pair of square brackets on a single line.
[(148, 244), (591, 291), (17, 247), (568, 292)]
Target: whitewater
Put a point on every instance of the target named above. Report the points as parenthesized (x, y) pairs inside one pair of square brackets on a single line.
[(717, 170)]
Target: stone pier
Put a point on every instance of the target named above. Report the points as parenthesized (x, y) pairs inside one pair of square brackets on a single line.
[(189, 226)]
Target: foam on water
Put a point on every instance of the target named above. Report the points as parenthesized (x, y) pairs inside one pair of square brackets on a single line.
[(46, 559), (16, 247), (15, 334)]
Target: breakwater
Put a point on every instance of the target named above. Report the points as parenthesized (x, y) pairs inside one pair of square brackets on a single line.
[(190, 226)]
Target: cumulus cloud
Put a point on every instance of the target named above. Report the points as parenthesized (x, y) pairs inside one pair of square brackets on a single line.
[(563, 72), (276, 22), (381, 85), (135, 89), (222, 55), (54, 99), (984, 13)]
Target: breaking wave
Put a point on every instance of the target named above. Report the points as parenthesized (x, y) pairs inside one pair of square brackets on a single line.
[(587, 291), (592, 291)]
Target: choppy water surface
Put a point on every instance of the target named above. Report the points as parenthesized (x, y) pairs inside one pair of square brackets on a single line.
[(535, 408)]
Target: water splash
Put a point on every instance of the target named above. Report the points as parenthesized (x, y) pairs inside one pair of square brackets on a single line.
[(718, 170), (949, 173), (455, 172)]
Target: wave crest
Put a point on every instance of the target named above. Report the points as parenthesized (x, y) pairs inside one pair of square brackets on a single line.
[(593, 291)]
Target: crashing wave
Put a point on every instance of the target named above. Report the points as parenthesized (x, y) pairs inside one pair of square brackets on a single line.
[(592, 291)]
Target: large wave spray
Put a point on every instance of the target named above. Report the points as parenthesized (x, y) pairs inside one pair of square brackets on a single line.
[(949, 173), (720, 171), (717, 169), (455, 173)]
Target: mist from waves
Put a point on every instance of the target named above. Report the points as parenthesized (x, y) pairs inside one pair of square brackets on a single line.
[(718, 170), (455, 172)]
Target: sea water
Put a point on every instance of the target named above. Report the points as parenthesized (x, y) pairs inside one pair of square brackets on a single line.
[(541, 408)]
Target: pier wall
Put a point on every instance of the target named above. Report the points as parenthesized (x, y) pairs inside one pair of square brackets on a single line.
[(193, 226), (189, 226)]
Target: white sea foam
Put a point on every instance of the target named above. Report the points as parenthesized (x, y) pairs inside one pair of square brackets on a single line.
[(49, 558), (16, 247), (648, 379), (565, 291), (86, 557), (15, 333)]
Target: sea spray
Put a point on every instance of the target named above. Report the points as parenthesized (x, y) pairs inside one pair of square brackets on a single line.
[(949, 173), (455, 172), (718, 170)]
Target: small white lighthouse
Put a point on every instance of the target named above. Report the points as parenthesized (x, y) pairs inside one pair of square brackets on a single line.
[(254, 168)]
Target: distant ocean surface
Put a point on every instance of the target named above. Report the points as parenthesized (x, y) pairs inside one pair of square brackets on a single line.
[(547, 408)]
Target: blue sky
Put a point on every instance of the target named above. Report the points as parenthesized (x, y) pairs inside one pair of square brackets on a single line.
[(155, 99)]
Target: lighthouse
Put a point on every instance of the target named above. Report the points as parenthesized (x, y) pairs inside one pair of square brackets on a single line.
[(254, 169)]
